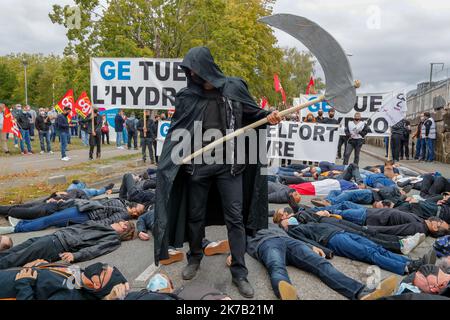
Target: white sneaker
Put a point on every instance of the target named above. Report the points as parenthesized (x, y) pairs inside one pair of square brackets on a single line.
[(65, 159), (42, 152), (51, 152), (410, 243), (16, 146), (13, 221)]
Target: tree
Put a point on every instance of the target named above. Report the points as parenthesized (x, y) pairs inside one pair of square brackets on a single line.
[(7, 84)]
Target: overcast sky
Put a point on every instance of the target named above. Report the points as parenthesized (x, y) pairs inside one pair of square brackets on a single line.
[(392, 42)]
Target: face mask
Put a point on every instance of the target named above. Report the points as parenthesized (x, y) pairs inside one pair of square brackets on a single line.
[(42, 113), (157, 283), (292, 221), (357, 120)]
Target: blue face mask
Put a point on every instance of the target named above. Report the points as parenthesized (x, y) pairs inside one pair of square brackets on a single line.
[(157, 283), (292, 221)]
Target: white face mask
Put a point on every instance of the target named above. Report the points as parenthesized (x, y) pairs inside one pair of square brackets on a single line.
[(157, 283)]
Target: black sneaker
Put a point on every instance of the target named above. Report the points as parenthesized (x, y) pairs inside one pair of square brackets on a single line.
[(415, 265)]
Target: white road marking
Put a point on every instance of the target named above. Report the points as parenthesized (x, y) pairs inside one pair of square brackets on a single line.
[(144, 276)]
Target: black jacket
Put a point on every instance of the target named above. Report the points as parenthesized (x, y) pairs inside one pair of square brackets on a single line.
[(105, 211), (97, 125), (171, 190), (316, 234), (146, 221), (62, 123), (42, 124), (50, 284), (88, 240), (151, 124), (23, 121), (395, 222), (118, 123)]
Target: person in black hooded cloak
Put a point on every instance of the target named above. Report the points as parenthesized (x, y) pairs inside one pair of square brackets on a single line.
[(190, 197)]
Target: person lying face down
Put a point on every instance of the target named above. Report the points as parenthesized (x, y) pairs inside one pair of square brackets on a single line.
[(44, 281), (76, 243)]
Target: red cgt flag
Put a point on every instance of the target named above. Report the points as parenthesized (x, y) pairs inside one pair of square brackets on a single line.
[(83, 106), (279, 87), (311, 89), (264, 102), (67, 101), (10, 124)]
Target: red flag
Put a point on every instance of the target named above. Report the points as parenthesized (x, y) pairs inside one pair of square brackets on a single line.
[(311, 87), (264, 103), (83, 106), (67, 101), (10, 124), (279, 87)]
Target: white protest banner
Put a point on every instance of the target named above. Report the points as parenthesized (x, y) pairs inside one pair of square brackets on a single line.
[(135, 83), (395, 108), (163, 128), (371, 106), (303, 141)]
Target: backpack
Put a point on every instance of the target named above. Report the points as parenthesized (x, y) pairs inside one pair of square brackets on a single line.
[(442, 246), (131, 124)]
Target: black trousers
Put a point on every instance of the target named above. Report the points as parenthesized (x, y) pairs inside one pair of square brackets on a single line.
[(396, 144), (155, 145), (351, 172), (132, 135), (105, 135), (356, 145), (147, 143), (404, 148), (432, 186), (95, 141), (46, 247), (130, 191), (342, 142), (29, 211), (230, 190)]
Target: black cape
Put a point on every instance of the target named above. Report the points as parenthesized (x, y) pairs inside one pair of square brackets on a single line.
[(171, 190)]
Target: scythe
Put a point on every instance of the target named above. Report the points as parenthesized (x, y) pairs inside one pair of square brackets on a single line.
[(340, 90)]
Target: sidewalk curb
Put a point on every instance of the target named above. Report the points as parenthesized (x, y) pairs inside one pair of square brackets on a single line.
[(376, 156)]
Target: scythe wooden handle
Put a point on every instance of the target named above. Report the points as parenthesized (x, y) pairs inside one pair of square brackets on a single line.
[(254, 125)]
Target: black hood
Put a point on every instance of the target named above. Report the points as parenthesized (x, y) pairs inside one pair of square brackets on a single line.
[(200, 60)]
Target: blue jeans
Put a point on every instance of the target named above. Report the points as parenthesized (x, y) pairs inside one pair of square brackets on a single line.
[(348, 211), (84, 137), (44, 138), (430, 143), (276, 253), (52, 132), (58, 219), (25, 136), (89, 192), (125, 136), (64, 137), (119, 139), (386, 145), (355, 247), (362, 196), (288, 172), (419, 149)]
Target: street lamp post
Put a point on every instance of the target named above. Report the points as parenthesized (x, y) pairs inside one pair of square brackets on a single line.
[(25, 64)]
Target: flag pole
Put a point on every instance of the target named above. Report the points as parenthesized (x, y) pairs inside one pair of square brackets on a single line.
[(390, 144)]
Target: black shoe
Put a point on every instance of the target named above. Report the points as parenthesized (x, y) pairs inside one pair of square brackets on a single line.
[(407, 189), (190, 271), (75, 181), (244, 287), (109, 186)]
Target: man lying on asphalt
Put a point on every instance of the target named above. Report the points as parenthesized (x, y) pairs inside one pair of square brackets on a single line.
[(43, 281), (387, 220), (428, 208), (105, 211), (77, 243), (351, 245), (275, 250)]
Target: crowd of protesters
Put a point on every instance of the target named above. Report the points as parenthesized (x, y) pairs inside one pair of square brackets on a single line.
[(46, 125)]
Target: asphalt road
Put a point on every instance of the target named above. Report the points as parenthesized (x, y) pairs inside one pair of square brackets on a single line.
[(135, 260)]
